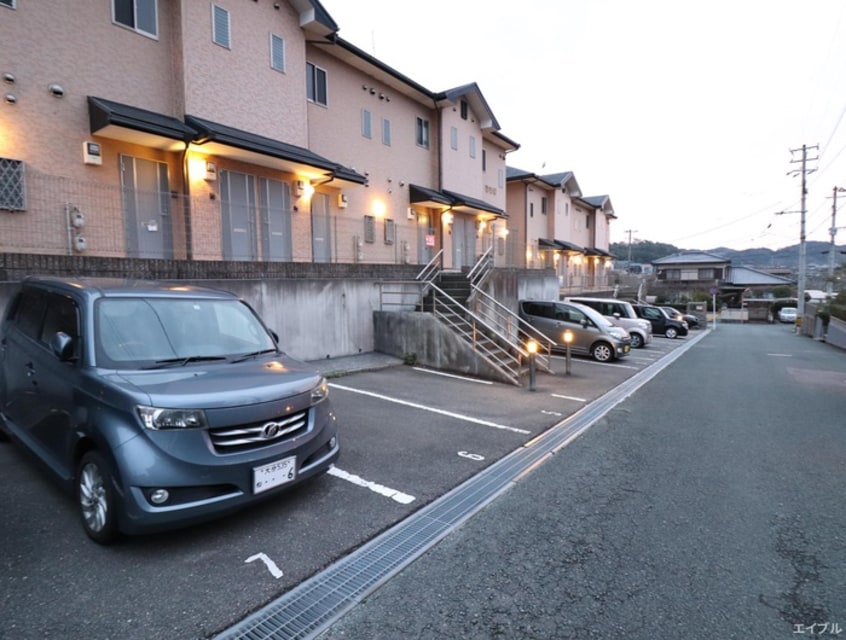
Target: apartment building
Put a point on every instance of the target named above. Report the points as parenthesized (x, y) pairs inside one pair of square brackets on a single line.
[(562, 229), (235, 131)]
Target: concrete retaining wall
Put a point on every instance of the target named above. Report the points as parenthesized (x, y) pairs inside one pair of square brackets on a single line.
[(836, 334)]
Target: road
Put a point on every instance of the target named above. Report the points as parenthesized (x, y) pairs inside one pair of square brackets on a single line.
[(412, 438), (708, 505)]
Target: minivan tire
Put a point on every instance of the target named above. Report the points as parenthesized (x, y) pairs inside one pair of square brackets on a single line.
[(637, 340), (602, 352), (95, 495)]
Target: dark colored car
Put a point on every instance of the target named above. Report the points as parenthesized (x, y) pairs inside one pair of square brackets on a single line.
[(691, 320), (159, 405), (661, 323)]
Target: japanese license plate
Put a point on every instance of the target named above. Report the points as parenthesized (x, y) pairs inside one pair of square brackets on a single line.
[(274, 474)]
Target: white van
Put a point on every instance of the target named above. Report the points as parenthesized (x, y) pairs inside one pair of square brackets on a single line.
[(621, 314)]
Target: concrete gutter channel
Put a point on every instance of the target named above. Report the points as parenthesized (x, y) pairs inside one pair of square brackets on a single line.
[(315, 604)]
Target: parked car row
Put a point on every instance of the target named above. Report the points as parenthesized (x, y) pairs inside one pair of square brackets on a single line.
[(603, 328)]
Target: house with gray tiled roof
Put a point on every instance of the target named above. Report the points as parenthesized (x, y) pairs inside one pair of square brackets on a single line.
[(689, 271)]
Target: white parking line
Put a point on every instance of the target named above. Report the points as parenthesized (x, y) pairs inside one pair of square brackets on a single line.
[(601, 364), (452, 375), (393, 494), (556, 395), (442, 412)]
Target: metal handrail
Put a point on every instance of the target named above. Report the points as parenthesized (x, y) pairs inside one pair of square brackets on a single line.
[(468, 327), (514, 324), (482, 268), (431, 270)]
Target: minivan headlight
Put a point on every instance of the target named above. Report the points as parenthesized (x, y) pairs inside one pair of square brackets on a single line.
[(320, 392), (155, 418)]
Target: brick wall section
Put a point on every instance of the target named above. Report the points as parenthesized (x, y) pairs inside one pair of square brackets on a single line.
[(14, 267)]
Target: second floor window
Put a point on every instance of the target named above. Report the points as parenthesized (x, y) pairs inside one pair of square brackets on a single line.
[(453, 138), (366, 124), (484, 160), (472, 147), (422, 136), (386, 132), (316, 84), (140, 15), (464, 110), (543, 205), (277, 52), (220, 27)]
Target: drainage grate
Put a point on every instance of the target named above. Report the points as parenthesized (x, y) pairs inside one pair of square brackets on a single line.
[(315, 604)]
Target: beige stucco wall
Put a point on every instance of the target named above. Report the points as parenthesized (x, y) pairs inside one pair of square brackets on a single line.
[(237, 86)]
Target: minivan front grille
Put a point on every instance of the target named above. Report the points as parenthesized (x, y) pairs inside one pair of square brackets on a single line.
[(248, 437)]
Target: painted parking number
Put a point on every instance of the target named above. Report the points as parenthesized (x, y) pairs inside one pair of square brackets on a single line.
[(471, 456)]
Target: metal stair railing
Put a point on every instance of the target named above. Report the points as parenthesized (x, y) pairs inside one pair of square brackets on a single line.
[(519, 332), (482, 269), (482, 337)]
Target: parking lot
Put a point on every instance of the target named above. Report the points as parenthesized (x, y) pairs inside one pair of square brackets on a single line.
[(408, 436)]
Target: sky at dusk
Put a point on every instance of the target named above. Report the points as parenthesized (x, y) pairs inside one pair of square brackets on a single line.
[(686, 115)]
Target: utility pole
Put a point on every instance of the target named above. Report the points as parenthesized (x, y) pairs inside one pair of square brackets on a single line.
[(829, 288), (804, 171), (630, 232)]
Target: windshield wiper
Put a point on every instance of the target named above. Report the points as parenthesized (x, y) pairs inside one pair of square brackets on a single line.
[(181, 362), (247, 356)]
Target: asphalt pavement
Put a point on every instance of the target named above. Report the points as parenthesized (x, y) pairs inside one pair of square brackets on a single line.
[(707, 505)]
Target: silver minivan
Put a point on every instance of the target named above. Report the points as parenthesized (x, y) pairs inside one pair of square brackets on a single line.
[(621, 314), (593, 334)]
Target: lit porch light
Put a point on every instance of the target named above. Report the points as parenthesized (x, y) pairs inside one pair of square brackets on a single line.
[(378, 208)]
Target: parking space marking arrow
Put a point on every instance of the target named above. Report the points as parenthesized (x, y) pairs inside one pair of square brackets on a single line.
[(275, 571)]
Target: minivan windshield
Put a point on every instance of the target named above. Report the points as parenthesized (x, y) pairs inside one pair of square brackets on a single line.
[(134, 332)]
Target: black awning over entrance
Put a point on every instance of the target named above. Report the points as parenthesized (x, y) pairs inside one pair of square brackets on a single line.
[(220, 134), (428, 197), (131, 124)]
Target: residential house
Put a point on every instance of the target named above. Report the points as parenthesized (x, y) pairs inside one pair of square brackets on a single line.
[(688, 272), (562, 229), (238, 132)]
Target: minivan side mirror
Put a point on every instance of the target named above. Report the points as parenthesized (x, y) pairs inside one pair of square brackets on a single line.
[(62, 346)]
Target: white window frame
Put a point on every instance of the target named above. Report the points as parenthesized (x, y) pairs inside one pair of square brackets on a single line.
[(277, 53), (422, 133), (134, 26), (386, 132), (221, 39), (366, 124), (472, 146), (390, 231), (315, 77), (369, 229), (453, 138)]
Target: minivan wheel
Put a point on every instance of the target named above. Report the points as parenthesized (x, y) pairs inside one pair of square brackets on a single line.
[(602, 352), (96, 498), (637, 340), (671, 332)]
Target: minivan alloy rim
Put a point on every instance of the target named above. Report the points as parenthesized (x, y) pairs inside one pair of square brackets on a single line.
[(92, 497)]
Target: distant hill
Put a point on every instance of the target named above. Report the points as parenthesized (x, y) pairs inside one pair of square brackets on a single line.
[(816, 253)]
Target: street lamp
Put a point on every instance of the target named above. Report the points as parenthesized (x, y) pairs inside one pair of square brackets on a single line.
[(568, 338), (532, 348)]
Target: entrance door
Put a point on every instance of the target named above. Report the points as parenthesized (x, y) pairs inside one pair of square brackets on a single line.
[(146, 208), (321, 229), (275, 201), (237, 206), (463, 242)]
